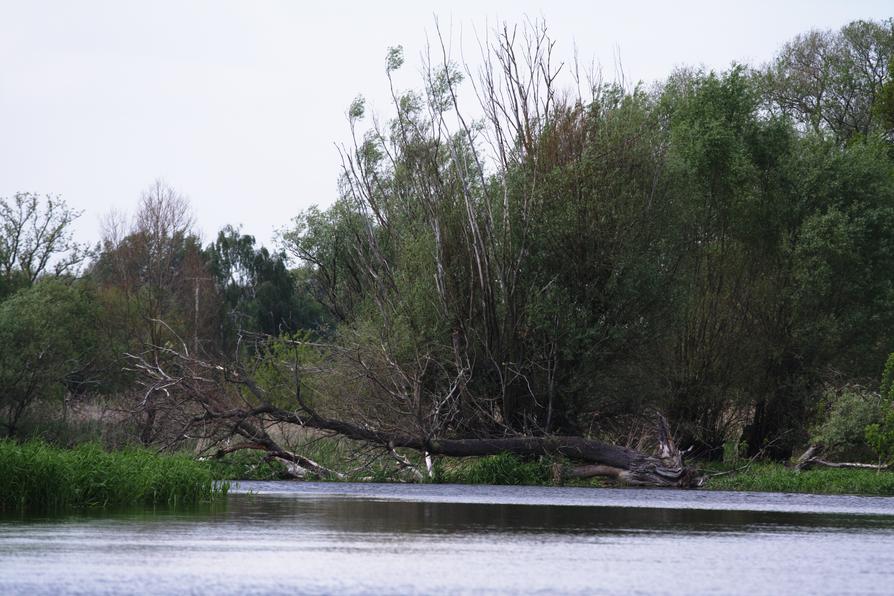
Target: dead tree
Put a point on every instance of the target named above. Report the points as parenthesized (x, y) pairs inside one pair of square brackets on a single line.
[(228, 407), (811, 459)]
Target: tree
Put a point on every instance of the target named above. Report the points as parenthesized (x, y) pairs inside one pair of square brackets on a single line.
[(257, 290), (523, 254), (36, 237), (155, 282), (832, 82), (543, 279), (482, 275), (49, 336)]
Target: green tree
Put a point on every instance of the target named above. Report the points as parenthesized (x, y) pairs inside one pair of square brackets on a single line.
[(49, 336), (257, 290), (833, 81)]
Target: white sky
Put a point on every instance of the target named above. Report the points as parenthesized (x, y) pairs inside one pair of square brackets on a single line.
[(238, 104)]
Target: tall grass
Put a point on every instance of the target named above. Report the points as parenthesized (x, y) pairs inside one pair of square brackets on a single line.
[(35, 476), (771, 477), (504, 468)]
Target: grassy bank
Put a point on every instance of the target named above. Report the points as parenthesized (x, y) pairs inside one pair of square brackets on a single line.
[(774, 477), (507, 469), (38, 477)]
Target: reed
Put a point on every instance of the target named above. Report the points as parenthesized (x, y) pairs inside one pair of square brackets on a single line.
[(504, 468), (35, 476), (773, 477)]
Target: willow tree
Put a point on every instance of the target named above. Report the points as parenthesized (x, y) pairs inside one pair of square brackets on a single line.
[(491, 262)]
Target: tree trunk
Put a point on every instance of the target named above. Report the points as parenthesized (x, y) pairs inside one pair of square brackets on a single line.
[(602, 459), (811, 458)]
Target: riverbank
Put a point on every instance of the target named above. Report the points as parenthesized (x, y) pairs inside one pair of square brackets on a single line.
[(775, 477), (506, 470), (39, 477)]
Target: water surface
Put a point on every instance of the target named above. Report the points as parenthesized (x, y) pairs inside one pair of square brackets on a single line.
[(275, 537)]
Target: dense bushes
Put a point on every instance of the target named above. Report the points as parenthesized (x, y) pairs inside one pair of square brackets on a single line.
[(844, 418)]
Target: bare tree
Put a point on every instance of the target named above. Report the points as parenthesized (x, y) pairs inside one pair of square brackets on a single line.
[(155, 262)]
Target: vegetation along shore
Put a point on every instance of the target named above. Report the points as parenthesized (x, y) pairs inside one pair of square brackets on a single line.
[(529, 276)]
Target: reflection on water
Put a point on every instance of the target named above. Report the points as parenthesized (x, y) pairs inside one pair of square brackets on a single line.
[(303, 539)]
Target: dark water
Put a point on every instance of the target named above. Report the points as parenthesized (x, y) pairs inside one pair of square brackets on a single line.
[(348, 538)]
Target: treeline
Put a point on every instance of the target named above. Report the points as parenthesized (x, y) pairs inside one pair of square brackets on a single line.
[(544, 261), (71, 313)]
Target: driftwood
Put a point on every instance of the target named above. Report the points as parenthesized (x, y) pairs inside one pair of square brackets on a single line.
[(811, 458)]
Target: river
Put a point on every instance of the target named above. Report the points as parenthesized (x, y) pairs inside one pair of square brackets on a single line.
[(334, 538)]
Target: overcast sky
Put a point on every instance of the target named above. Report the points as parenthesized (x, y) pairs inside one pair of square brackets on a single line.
[(238, 104)]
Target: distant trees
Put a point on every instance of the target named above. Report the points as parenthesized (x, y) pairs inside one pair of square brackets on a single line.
[(36, 238), (151, 275), (47, 323), (257, 290), (151, 266), (833, 81)]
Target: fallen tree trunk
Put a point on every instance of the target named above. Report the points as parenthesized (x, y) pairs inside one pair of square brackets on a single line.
[(810, 459), (203, 385), (621, 463)]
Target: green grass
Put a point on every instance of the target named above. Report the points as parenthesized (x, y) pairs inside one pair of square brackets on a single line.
[(504, 468), (246, 465), (35, 476), (774, 477), (507, 469)]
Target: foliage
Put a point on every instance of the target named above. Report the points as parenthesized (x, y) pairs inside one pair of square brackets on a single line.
[(880, 436), (36, 237), (832, 81), (37, 477), (246, 465), (842, 430), (52, 327), (719, 247), (257, 290), (687, 249)]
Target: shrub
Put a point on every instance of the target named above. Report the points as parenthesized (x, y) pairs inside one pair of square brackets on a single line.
[(880, 437), (843, 429)]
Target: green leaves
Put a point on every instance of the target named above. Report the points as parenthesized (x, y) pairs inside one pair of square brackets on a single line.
[(880, 437), (831, 82), (394, 59), (357, 108), (49, 334)]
